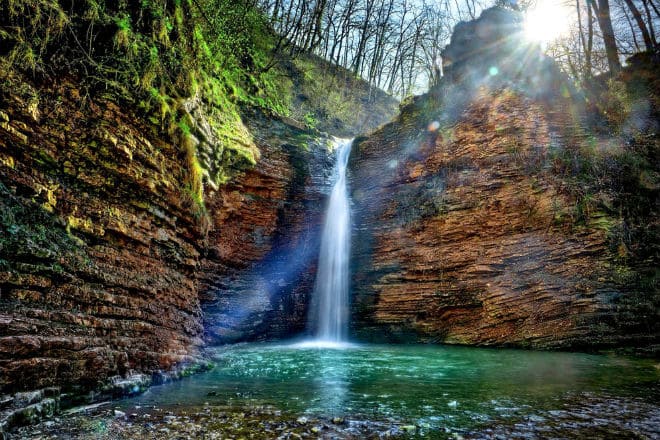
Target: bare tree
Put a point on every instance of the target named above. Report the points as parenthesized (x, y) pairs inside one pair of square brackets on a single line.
[(648, 41), (396, 44), (650, 20), (602, 12)]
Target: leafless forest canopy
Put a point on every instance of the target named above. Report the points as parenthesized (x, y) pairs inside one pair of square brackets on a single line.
[(396, 44)]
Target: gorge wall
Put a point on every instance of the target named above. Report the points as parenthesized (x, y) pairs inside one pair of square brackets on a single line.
[(147, 207), (105, 264), (472, 225), (98, 250), (471, 221), (261, 264)]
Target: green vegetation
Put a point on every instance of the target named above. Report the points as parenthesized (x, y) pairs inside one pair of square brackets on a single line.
[(188, 66), (613, 188), (614, 177), (331, 98), (33, 239), (157, 56)]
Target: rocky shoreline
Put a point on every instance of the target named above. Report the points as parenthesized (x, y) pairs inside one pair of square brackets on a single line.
[(31, 407), (209, 422), (584, 416)]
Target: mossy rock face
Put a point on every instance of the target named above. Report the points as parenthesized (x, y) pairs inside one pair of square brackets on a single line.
[(118, 163), (222, 147), (480, 172), (29, 232)]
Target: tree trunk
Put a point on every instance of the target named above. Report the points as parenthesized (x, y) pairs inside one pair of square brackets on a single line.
[(632, 30), (650, 20), (648, 42), (605, 23), (655, 8), (364, 36), (583, 40), (588, 51)]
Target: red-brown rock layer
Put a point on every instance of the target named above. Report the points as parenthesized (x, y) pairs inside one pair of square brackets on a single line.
[(263, 250), (99, 259), (104, 267), (466, 233)]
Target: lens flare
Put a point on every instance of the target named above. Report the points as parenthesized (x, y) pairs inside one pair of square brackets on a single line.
[(547, 21)]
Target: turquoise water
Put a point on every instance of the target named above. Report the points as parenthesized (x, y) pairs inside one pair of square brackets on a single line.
[(428, 386)]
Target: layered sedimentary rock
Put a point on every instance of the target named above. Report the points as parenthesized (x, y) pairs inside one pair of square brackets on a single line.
[(467, 227), (105, 261), (98, 251), (262, 253)]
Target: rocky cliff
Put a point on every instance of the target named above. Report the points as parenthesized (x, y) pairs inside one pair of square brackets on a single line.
[(263, 248), (153, 197), (98, 251), (147, 207), (106, 263), (473, 223)]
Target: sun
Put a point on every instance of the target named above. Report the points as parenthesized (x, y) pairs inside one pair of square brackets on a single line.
[(547, 21)]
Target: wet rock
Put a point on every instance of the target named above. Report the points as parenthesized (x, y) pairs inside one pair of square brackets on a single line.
[(127, 386), (258, 288), (28, 398), (6, 401)]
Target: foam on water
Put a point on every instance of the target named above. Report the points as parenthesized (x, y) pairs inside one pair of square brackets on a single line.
[(323, 344)]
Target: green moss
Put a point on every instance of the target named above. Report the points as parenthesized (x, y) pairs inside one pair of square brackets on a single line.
[(603, 221), (156, 54), (28, 233), (310, 120), (193, 189), (159, 55)]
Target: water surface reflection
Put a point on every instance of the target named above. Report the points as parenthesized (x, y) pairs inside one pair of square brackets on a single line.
[(429, 386)]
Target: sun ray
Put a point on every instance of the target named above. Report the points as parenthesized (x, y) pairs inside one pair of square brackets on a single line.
[(547, 21)]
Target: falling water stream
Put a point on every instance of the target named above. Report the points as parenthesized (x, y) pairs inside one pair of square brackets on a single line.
[(331, 287)]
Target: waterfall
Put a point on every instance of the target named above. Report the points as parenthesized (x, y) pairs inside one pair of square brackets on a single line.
[(331, 286)]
